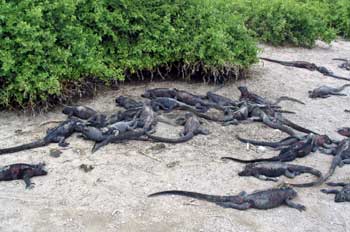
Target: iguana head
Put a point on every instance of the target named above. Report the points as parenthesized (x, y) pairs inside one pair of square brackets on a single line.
[(342, 196), (344, 131), (67, 110), (39, 170)]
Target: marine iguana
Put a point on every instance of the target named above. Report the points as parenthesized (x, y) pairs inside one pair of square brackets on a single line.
[(270, 170), (93, 133), (345, 65), (192, 127), (22, 171), (319, 141), (236, 116), (159, 92), (340, 195), (128, 103), (341, 157), (221, 100), (298, 149), (123, 126), (308, 66), (265, 199), (195, 100), (344, 131), (252, 97), (53, 135), (168, 104), (98, 120), (119, 137), (82, 112), (126, 115), (261, 115), (326, 91), (146, 118)]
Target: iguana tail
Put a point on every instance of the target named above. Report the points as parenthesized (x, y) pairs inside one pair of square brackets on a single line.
[(340, 59), (258, 143), (285, 98), (297, 127), (39, 143), (199, 196), (128, 135), (286, 63), (343, 87), (337, 77), (167, 140), (312, 171), (276, 158)]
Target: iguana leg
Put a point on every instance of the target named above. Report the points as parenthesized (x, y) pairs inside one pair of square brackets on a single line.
[(243, 206), (203, 131), (265, 178), (338, 94), (62, 142), (290, 174), (231, 122), (335, 184), (330, 191), (26, 178), (326, 151), (343, 162), (242, 194), (295, 205)]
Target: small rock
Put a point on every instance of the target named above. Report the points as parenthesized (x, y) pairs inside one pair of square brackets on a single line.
[(173, 164), (19, 131), (55, 153), (86, 167)]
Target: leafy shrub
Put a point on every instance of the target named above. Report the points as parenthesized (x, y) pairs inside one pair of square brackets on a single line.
[(45, 44), (282, 22), (337, 13)]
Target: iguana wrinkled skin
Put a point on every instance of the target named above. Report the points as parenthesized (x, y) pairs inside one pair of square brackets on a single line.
[(160, 92), (128, 103), (146, 118), (128, 135), (82, 112), (168, 104), (266, 199), (22, 171), (192, 127)]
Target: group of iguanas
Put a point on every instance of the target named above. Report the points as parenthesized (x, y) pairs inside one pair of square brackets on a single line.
[(139, 118)]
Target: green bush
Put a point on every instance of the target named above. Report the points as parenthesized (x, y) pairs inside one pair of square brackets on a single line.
[(47, 43), (337, 13), (282, 22)]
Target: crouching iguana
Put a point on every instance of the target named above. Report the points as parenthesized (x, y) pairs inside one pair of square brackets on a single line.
[(22, 171), (266, 199), (53, 135), (269, 171)]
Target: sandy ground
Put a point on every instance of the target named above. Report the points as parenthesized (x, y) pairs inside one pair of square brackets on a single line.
[(112, 197)]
